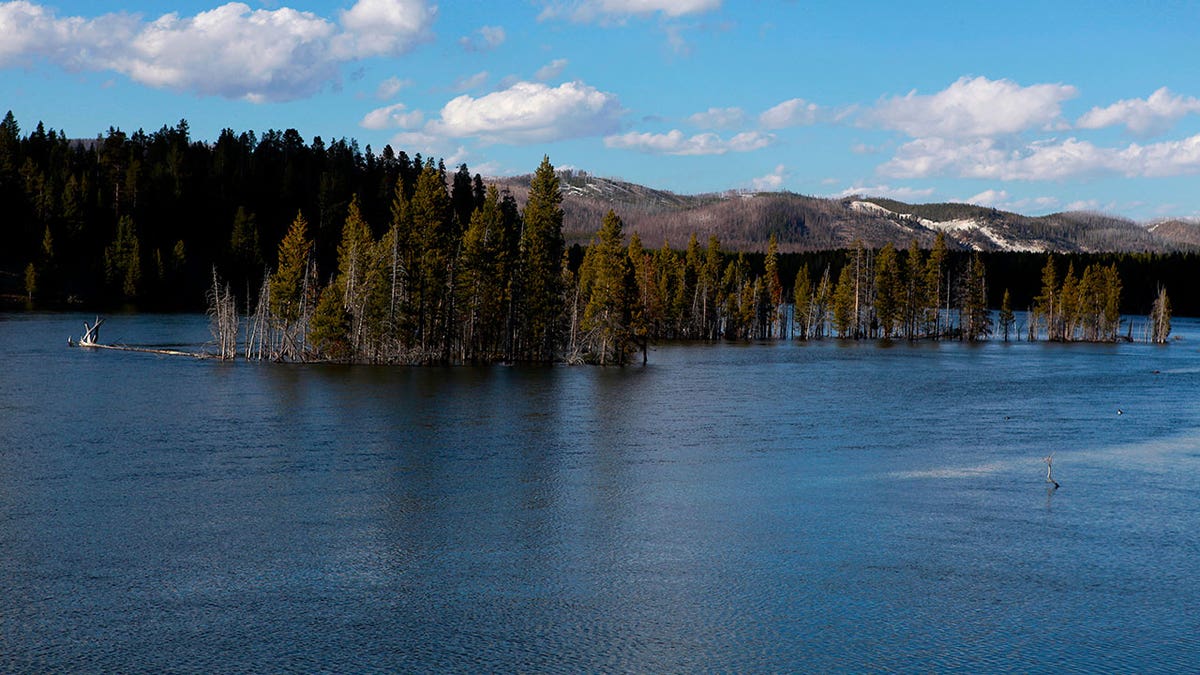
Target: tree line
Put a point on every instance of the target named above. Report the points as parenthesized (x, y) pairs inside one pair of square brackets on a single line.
[(325, 251)]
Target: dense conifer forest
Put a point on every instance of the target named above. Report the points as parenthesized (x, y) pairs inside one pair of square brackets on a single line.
[(324, 250)]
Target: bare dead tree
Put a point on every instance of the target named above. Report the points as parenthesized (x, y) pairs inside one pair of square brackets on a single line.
[(1049, 459), (222, 317)]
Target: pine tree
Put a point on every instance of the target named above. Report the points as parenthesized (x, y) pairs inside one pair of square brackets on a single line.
[(542, 250), (843, 303), (330, 332), (355, 256), (822, 301), (693, 263), (889, 296), (1046, 307), (803, 303), (935, 283), (288, 281), (774, 287), (913, 306), (31, 281), (1007, 318), (607, 316), (1068, 305), (481, 280), (1112, 302), (976, 322), (289, 292), (432, 221)]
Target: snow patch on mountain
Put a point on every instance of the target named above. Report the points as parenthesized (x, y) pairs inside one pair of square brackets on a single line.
[(967, 231)]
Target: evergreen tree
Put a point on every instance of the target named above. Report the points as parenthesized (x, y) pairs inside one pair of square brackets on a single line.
[(975, 319), (432, 226), (774, 287), (935, 282), (542, 250), (1007, 318), (123, 260), (1112, 302), (289, 285), (607, 317), (822, 302), (889, 292), (803, 303), (482, 281), (913, 305), (843, 303), (1046, 307), (330, 332), (355, 255), (31, 281)]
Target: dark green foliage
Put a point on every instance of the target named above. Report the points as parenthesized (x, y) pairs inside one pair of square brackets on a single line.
[(539, 297)]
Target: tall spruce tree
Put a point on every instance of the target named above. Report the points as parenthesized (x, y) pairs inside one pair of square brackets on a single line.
[(541, 267)]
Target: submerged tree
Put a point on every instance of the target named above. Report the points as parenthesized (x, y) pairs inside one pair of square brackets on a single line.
[(1160, 318)]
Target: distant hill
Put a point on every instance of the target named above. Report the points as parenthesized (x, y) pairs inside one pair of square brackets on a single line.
[(744, 221)]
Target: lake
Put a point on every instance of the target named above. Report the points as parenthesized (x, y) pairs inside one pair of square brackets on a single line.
[(732, 507)]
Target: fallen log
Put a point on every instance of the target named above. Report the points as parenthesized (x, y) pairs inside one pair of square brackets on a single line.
[(91, 336)]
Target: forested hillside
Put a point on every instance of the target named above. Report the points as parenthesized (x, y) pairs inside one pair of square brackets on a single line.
[(143, 220)]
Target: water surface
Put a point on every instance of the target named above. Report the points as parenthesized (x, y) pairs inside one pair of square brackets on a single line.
[(768, 507)]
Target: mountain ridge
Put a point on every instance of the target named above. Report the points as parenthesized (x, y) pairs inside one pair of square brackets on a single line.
[(745, 220)]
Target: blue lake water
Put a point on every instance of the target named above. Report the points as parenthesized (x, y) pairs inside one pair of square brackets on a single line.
[(735, 507)]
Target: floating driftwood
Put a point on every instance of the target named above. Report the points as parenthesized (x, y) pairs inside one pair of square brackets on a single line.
[(91, 336)]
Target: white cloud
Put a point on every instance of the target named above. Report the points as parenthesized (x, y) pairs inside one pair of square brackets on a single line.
[(384, 27), (230, 51), (718, 118), (530, 112), (485, 39), (792, 113), (989, 198), (904, 194), (1084, 205), (675, 142), (772, 181), (1042, 160), (1152, 115), (551, 70), (470, 81), (974, 108), (392, 117), (390, 87), (599, 10)]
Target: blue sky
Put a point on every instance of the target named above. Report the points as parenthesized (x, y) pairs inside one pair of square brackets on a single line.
[(1032, 107)]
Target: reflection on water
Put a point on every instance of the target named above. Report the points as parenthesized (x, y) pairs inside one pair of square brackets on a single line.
[(833, 506)]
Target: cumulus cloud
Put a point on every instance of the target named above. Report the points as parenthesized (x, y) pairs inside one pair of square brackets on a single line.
[(530, 112), (973, 108), (383, 27), (396, 116), (718, 118), (1144, 117), (230, 51), (551, 70), (793, 113), (904, 194), (600, 10), (1042, 160), (772, 181), (485, 39), (675, 142), (989, 198)]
